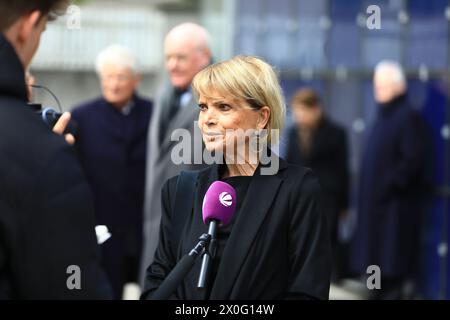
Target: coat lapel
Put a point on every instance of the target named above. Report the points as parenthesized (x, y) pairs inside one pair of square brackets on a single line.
[(160, 106), (260, 196), (183, 120), (204, 182)]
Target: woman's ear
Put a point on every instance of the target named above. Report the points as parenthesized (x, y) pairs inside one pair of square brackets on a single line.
[(264, 115)]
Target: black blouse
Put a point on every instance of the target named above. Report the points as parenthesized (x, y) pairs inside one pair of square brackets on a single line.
[(240, 184), (278, 248)]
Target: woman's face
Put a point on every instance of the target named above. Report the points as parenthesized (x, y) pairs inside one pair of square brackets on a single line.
[(223, 122)]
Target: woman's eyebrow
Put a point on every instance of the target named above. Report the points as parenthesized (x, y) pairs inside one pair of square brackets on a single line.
[(215, 102), (219, 102)]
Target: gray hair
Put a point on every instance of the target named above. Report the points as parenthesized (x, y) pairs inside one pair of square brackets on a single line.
[(116, 55), (392, 68)]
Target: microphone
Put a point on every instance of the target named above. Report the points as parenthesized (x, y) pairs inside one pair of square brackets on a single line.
[(219, 205)]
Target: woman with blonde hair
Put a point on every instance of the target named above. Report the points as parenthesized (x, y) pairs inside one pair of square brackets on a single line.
[(277, 245)]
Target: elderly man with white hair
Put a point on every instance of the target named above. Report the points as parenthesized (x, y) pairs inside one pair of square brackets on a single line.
[(391, 187), (187, 51), (112, 147)]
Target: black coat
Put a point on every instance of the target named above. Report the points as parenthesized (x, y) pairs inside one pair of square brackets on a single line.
[(328, 159), (390, 192), (112, 149), (278, 247), (46, 209)]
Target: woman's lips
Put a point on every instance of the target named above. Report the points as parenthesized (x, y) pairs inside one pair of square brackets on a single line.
[(212, 134)]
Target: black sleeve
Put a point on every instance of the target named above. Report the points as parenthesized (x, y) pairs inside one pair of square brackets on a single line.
[(309, 243), (6, 291), (165, 259), (57, 237), (70, 213)]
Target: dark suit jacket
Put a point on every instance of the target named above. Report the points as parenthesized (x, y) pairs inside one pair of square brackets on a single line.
[(46, 210), (278, 247), (112, 149)]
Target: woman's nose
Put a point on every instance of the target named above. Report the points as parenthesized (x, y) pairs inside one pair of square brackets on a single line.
[(210, 117)]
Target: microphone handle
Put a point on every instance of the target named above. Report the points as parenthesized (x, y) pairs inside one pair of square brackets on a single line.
[(177, 275), (206, 261), (170, 284)]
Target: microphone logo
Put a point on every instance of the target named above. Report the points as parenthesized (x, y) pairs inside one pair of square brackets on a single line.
[(226, 199)]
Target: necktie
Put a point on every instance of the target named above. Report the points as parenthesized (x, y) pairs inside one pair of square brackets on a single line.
[(174, 107)]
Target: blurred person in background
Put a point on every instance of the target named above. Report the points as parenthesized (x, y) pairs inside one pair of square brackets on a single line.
[(318, 143), (112, 135), (187, 51), (391, 186), (47, 235)]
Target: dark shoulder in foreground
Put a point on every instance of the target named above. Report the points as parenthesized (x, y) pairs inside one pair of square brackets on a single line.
[(25, 140)]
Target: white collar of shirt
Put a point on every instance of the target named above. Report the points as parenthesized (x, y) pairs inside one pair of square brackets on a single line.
[(185, 99), (127, 109)]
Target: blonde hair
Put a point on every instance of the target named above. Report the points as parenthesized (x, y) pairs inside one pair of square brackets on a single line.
[(245, 78)]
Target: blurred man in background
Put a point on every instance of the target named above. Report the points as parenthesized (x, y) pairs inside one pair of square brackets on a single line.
[(318, 143), (186, 50), (112, 145), (391, 186), (48, 248)]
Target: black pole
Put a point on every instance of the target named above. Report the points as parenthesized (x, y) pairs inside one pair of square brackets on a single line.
[(176, 276), (204, 271)]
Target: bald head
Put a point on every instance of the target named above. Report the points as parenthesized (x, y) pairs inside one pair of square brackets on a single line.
[(186, 49), (189, 33), (389, 81)]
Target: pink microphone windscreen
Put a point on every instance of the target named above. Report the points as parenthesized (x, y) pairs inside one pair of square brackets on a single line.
[(219, 203)]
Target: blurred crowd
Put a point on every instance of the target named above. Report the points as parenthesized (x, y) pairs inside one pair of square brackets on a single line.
[(124, 145)]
